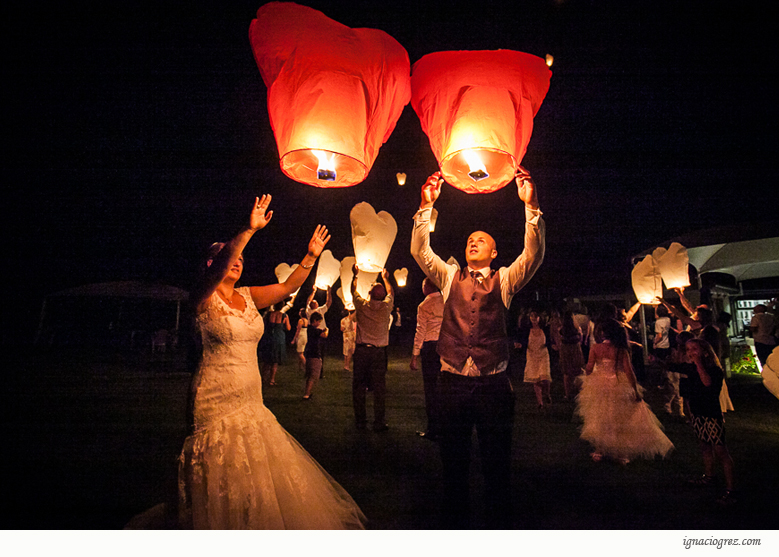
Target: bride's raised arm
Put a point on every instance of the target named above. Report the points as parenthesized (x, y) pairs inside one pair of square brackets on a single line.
[(264, 296), (220, 263)]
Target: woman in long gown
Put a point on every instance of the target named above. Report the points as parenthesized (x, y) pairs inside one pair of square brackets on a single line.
[(239, 469), (537, 366), (617, 422)]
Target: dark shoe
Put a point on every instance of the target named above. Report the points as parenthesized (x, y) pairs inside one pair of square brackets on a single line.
[(378, 428), (727, 499), (428, 435)]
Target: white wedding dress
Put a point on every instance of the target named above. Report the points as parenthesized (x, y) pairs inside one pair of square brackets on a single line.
[(614, 423), (239, 469)]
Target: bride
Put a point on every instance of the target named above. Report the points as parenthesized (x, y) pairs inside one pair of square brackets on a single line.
[(239, 469)]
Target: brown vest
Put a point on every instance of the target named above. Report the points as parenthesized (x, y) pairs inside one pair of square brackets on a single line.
[(474, 323)]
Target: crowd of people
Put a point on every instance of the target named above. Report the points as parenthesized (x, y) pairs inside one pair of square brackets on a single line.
[(467, 353)]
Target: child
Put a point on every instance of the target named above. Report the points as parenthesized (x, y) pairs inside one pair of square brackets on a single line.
[(313, 353)]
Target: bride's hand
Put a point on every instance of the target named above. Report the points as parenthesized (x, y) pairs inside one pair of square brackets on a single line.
[(260, 216), (318, 241)]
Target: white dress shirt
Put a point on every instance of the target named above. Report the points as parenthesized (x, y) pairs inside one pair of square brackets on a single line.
[(512, 278), (429, 316)]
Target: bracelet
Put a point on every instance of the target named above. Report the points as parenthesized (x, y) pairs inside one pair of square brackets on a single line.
[(307, 266)]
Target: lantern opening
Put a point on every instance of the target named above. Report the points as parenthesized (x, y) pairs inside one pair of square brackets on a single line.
[(326, 168), (476, 167)]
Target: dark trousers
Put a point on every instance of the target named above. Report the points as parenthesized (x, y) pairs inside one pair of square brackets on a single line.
[(370, 370), (763, 351), (431, 369), (486, 403)]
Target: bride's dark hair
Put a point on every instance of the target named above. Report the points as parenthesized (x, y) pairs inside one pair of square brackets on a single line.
[(613, 331)]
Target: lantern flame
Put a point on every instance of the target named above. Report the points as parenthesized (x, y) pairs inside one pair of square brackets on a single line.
[(476, 167), (326, 168)]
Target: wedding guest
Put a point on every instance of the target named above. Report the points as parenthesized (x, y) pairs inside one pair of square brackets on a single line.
[(429, 315), (316, 336)]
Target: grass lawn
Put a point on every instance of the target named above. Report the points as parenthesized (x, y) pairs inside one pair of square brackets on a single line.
[(94, 440)]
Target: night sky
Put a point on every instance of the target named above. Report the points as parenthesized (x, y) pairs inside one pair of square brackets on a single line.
[(137, 133)]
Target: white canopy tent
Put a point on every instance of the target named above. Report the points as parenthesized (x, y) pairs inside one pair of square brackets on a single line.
[(745, 252)]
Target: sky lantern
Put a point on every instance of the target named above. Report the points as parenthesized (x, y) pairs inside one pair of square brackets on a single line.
[(401, 276), (364, 283), (477, 109), (647, 283), (673, 264), (401, 177), (372, 236), (328, 270), (334, 93), (282, 272)]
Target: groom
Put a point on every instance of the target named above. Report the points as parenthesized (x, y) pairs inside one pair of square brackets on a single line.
[(475, 390)]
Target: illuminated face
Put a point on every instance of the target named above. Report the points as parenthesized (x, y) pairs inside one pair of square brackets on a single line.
[(534, 318), (693, 350), (236, 270), (480, 250)]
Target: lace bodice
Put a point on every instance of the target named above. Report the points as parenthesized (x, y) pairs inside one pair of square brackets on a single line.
[(228, 376)]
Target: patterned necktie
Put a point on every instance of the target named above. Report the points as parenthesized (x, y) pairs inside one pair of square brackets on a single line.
[(477, 276)]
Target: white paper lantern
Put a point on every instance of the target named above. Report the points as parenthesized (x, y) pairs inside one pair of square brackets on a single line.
[(372, 236), (673, 264), (401, 276), (647, 283), (282, 272), (348, 304), (328, 270), (401, 176), (364, 283)]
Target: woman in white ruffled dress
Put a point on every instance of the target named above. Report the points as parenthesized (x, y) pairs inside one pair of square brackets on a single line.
[(239, 469), (617, 422)]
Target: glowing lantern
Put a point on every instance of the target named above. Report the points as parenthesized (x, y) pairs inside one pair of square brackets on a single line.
[(334, 93), (549, 59), (372, 236), (401, 176), (647, 283), (364, 283), (477, 109), (673, 264), (282, 272), (328, 271), (401, 276)]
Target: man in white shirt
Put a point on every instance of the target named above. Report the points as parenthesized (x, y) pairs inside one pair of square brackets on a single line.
[(312, 306), (475, 390), (370, 351), (429, 315)]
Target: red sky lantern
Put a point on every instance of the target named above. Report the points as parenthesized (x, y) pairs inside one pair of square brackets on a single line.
[(334, 93), (477, 109)]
